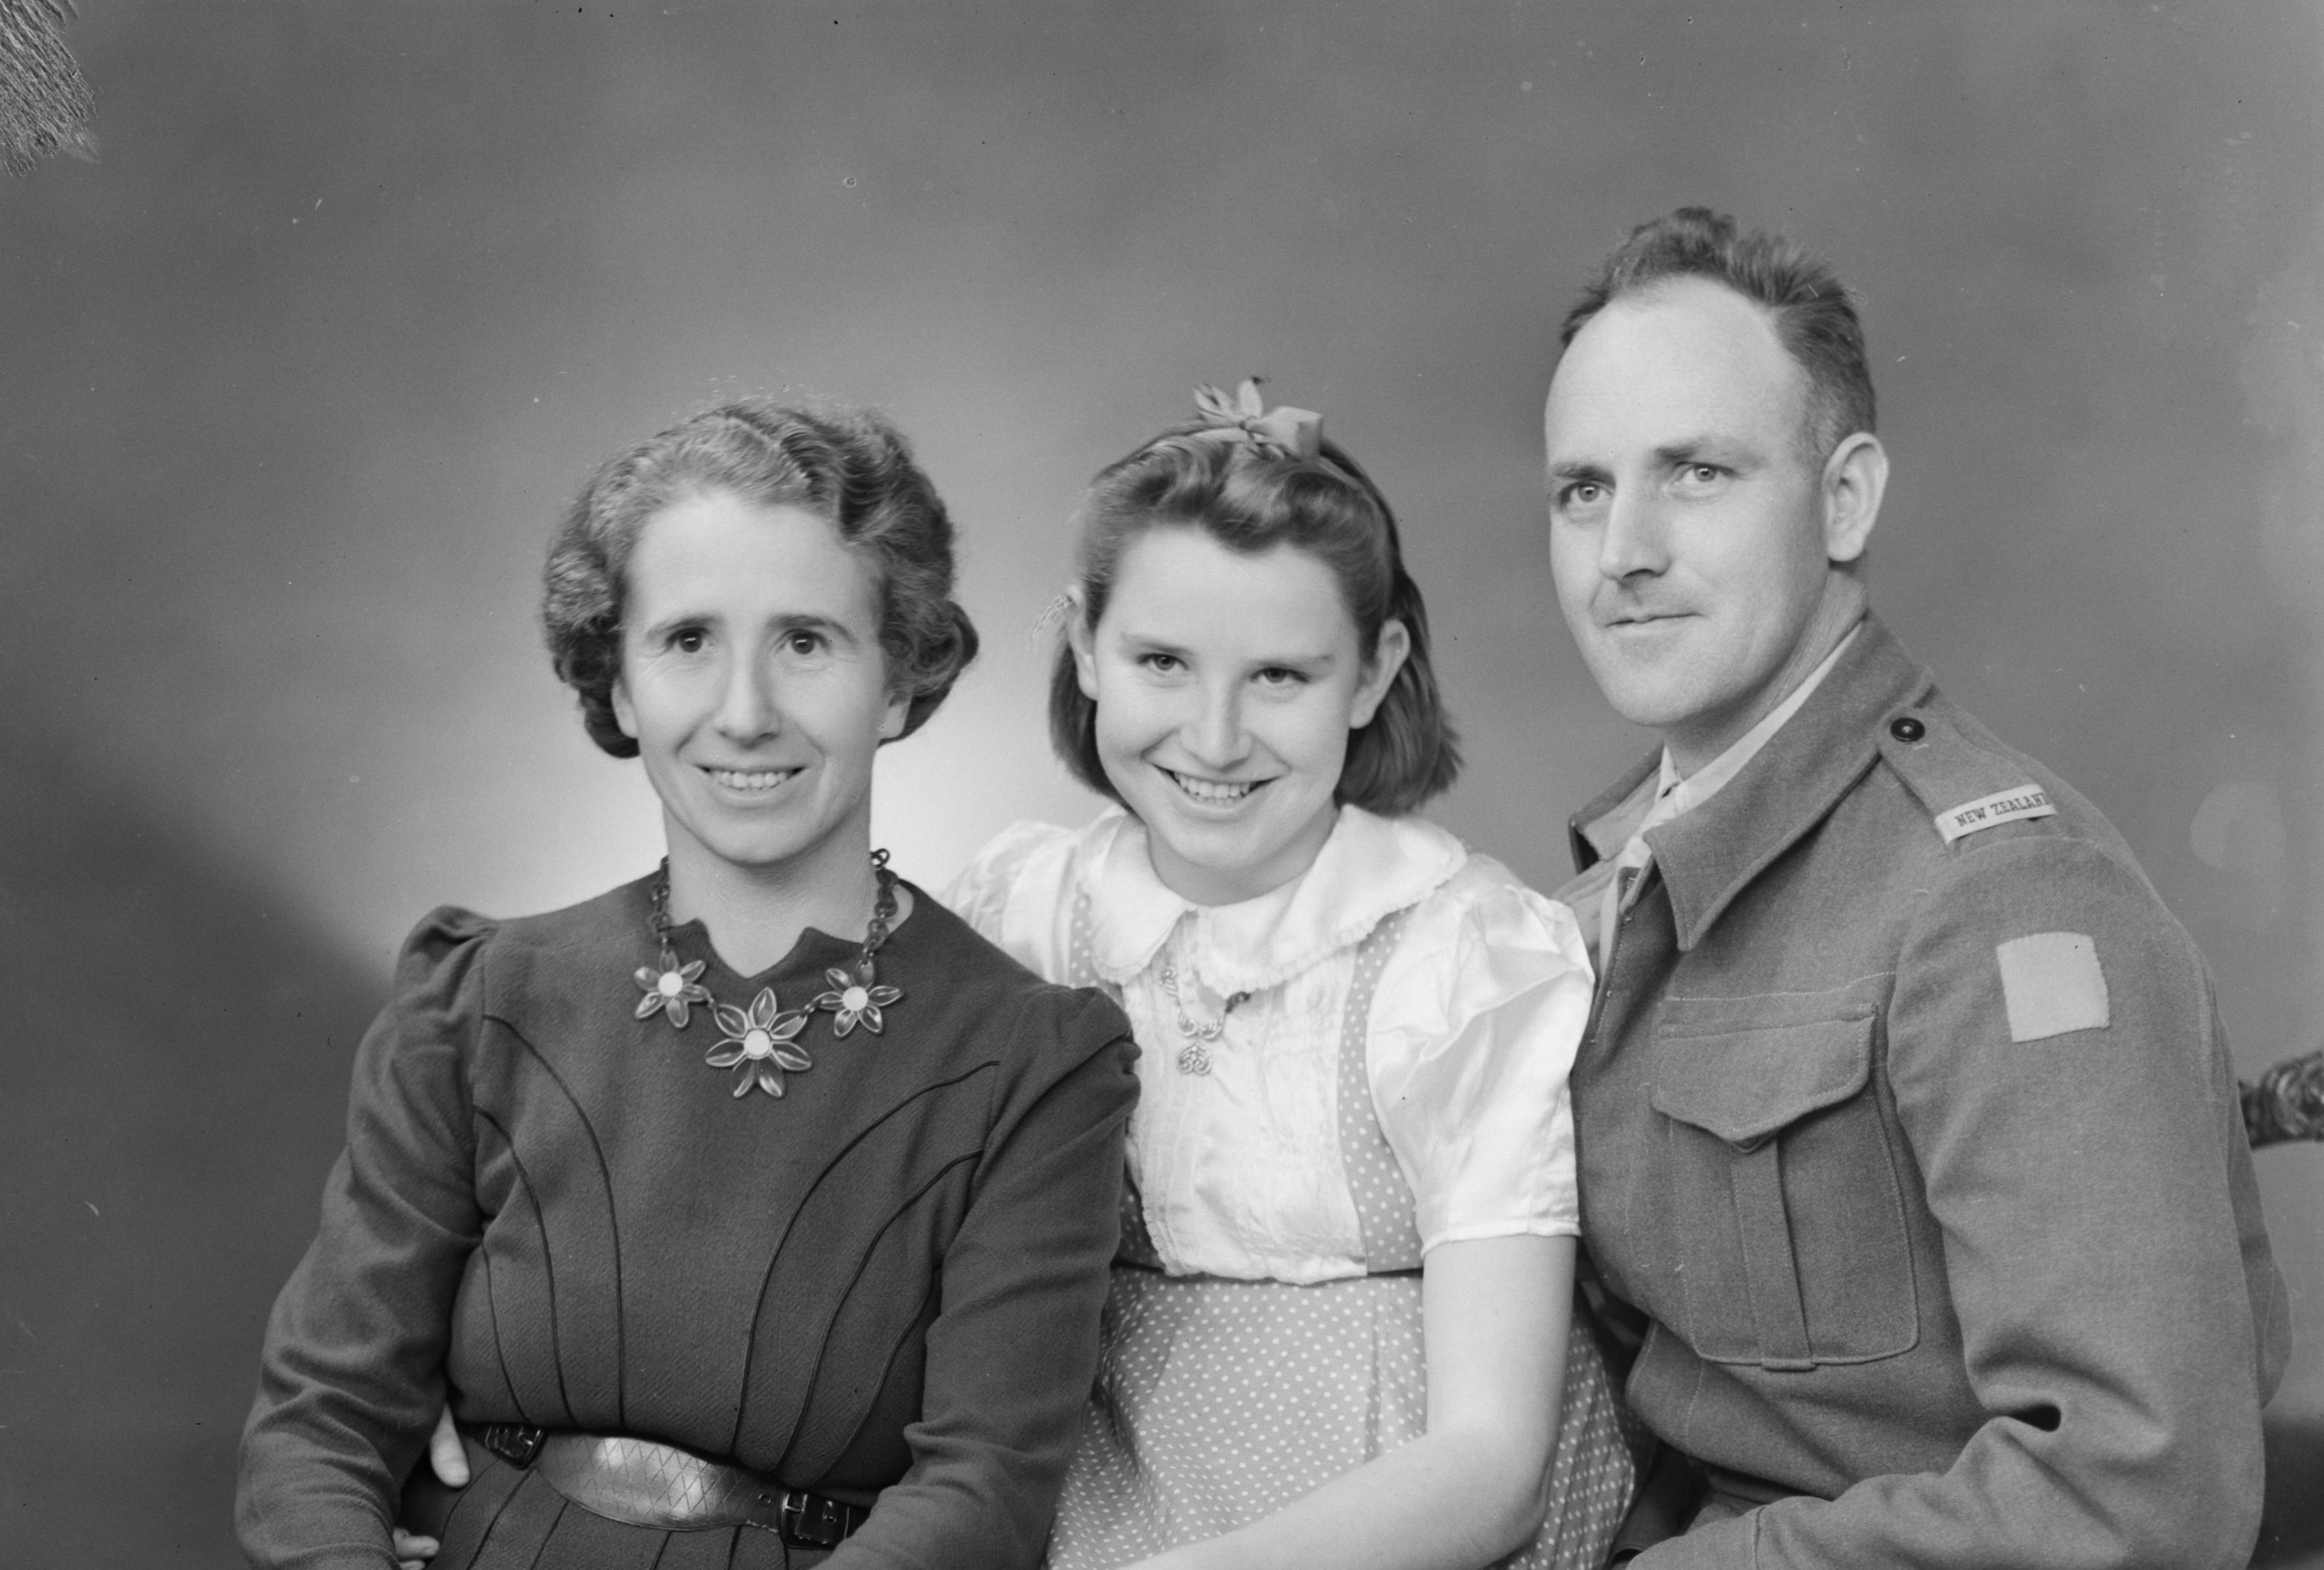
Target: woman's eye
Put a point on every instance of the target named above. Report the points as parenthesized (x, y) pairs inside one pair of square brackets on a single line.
[(804, 643), (1162, 664), (688, 641), (1281, 676)]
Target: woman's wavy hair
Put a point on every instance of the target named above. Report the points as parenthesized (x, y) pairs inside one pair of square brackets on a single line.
[(1250, 497), (846, 465)]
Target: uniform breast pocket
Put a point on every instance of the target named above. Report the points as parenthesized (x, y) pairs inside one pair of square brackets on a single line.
[(1788, 1215)]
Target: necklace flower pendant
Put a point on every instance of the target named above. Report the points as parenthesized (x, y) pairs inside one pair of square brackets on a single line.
[(759, 1044), (856, 999), (672, 989)]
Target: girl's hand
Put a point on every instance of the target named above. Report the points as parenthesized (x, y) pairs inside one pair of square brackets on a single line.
[(446, 1459), (413, 1551)]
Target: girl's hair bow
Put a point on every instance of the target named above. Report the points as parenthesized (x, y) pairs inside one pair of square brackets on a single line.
[(1293, 432)]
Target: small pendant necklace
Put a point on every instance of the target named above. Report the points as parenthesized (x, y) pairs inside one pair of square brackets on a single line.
[(762, 1041), (1194, 1057)]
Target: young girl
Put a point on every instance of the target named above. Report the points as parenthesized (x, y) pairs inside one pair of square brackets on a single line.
[(1337, 1333)]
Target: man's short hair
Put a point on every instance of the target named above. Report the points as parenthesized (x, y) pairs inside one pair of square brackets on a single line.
[(1815, 316)]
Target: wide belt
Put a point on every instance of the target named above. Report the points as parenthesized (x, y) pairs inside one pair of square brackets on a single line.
[(646, 1483)]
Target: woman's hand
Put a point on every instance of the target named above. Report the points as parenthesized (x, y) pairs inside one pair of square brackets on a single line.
[(446, 1458), (449, 1463), (1494, 1317)]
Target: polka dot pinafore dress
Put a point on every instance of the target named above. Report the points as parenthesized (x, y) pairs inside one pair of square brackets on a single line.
[(1324, 1091)]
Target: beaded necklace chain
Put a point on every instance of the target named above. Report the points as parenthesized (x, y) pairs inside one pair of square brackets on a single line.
[(759, 1043)]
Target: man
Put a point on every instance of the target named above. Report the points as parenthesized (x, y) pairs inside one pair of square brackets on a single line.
[(1905, 1119)]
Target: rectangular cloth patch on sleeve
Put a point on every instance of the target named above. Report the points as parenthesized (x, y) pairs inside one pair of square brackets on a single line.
[(2001, 807), (2052, 983)]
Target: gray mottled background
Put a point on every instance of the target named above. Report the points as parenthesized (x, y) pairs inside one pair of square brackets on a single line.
[(296, 376)]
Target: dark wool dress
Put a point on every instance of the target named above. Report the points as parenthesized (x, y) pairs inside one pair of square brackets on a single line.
[(883, 1286)]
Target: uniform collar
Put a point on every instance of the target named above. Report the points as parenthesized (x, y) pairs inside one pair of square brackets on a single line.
[(1707, 855), (1695, 788), (1369, 867), (1600, 829)]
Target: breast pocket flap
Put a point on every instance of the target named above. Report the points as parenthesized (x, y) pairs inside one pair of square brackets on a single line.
[(1744, 1085)]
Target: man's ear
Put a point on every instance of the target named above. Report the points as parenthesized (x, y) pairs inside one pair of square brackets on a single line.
[(625, 713), (1854, 478), (1389, 655), (1081, 639)]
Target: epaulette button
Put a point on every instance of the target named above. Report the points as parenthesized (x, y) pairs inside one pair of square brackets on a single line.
[(1905, 728)]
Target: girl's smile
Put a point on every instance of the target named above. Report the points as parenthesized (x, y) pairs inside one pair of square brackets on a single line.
[(1222, 793), (1226, 686)]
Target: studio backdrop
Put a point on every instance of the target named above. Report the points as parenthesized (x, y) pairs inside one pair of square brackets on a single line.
[(299, 372)]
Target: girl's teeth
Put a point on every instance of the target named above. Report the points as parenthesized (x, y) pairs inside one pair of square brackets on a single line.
[(757, 780), (1212, 789)]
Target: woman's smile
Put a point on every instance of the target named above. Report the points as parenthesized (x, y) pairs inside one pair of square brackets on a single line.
[(752, 781)]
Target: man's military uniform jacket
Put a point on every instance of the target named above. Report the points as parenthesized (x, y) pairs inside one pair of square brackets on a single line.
[(1906, 1118)]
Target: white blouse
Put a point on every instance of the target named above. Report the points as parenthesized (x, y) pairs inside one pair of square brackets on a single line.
[(1473, 1032)]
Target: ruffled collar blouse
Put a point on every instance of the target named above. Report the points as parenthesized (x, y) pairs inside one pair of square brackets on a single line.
[(1471, 1029)]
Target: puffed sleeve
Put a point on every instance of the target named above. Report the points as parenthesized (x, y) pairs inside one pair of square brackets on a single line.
[(1474, 1025), (1012, 1354), (352, 1374), (1017, 894)]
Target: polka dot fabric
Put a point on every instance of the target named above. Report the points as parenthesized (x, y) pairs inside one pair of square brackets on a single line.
[(1220, 1401), (1375, 1182)]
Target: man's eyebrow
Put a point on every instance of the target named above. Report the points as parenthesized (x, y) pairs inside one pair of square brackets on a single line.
[(1699, 448), (1575, 470)]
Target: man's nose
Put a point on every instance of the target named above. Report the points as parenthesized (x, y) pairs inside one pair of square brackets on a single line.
[(1637, 537), (748, 709)]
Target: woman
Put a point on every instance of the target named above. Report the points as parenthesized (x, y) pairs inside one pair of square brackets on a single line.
[(756, 1212)]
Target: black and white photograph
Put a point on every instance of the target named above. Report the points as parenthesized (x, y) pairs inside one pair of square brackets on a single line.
[(1062, 785)]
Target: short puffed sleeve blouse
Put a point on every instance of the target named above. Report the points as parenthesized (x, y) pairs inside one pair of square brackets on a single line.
[(1468, 1039)]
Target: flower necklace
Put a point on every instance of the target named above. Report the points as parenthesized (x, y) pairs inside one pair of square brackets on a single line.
[(762, 1041)]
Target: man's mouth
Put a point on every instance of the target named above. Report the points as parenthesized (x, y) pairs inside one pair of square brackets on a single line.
[(1214, 792), (750, 780)]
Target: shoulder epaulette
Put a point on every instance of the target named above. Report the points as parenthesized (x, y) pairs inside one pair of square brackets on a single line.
[(1966, 783)]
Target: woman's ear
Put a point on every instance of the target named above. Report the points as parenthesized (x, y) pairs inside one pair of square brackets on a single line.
[(625, 713), (899, 711), (1389, 655), (1081, 639)]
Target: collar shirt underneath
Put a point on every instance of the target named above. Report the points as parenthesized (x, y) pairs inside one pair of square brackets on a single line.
[(1675, 796)]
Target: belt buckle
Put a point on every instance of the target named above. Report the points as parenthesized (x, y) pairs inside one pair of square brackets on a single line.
[(810, 1522), (514, 1443)]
